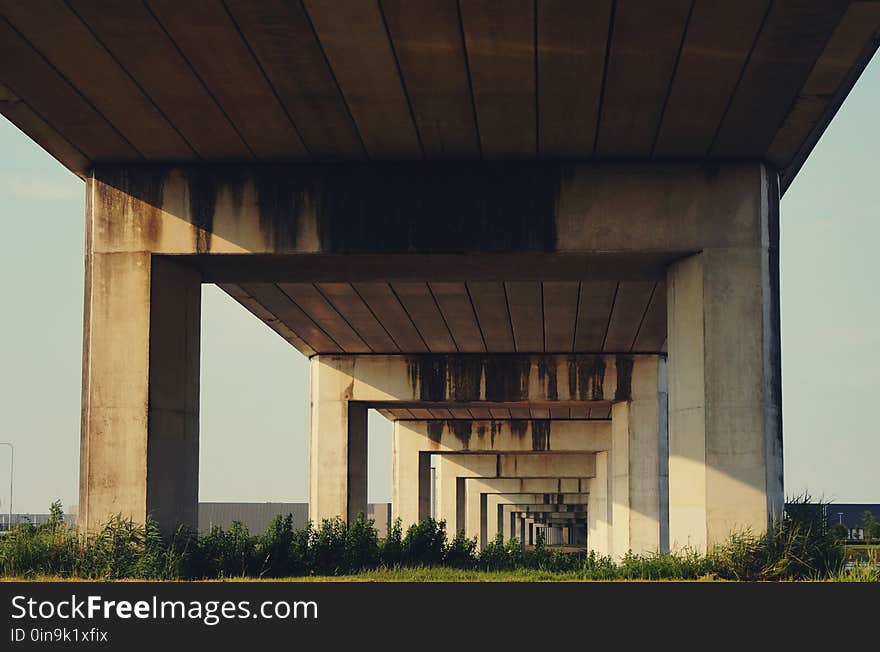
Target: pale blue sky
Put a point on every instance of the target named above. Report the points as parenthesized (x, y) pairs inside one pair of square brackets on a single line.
[(254, 426)]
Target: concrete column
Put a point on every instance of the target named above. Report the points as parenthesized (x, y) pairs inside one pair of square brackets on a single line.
[(635, 461), (599, 509), (139, 452), (410, 477), (338, 454), (725, 418), (450, 501)]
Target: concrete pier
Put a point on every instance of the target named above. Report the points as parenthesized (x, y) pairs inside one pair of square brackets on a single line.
[(725, 413), (139, 453)]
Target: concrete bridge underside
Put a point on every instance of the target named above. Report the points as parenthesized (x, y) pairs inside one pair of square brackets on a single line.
[(481, 218)]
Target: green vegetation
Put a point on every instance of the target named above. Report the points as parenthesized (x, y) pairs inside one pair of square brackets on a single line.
[(871, 525), (798, 547)]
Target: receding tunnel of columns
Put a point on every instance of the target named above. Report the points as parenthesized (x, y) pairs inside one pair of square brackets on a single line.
[(502, 510), (513, 449), (524, 451)]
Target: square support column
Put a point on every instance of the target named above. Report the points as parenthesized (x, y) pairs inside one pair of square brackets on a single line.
[(410, 477), (638, 437), (139, 451), (725, 411), (338, 454), (451, 470), (599, 509)]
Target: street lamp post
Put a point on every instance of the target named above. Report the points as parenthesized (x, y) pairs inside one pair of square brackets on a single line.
[(11, 468)]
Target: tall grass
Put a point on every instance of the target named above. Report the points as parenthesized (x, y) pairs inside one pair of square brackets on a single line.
[(795, 548)]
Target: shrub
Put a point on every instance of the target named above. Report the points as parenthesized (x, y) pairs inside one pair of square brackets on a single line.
[(327, 547), (391, 547), (425, 543), (840, 532), (498, 555), (461, 551), (798, 546), (227, 553), (598, 567), (361, 548), (276, 548), (871, 525)]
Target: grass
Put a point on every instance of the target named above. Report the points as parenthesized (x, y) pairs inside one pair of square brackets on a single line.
[(420, 574), (444, 574)]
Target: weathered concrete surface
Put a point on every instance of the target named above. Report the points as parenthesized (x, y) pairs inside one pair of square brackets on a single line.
[(601, 507), (433, 209), (338, 446), (635, 462), (450, 500), (725, 423), (342, 386), (499, 508), (453, 469), (249, 222), (507, 505), (140, 420), (515, 435), (476, 490), (414, 441)]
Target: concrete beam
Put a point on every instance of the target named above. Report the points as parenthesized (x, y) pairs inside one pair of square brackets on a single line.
[(515, 435), (401, 209)]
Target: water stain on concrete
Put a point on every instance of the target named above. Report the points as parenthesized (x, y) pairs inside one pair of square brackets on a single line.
[(590, 371), (283, 194), (547, 377), (469, 378), (435, 430), (519, 428), (462, 430), (201, 186), (624, 364), (118, 186), (541, 435), (437, 208)]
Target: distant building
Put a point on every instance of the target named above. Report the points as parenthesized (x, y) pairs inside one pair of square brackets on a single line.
[(255, 516), (35, 519), (850, 515)]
